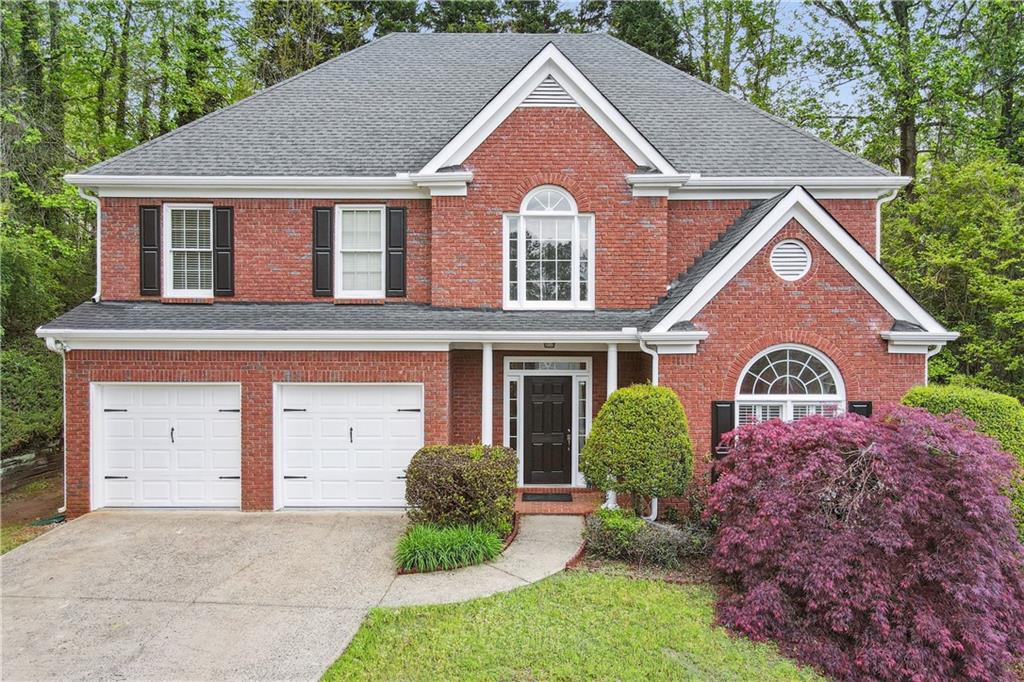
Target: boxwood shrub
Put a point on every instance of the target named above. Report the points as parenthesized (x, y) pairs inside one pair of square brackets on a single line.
[(875, 549), (639, 444), (463, 485), (428, 547), (994, 414)]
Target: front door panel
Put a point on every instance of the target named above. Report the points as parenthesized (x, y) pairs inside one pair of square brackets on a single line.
[(547, 426)]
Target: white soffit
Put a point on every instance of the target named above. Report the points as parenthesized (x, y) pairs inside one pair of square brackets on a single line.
[(551, 63), (833, 238)]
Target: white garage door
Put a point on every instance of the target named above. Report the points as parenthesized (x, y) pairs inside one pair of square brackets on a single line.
[(347, 445), (170, 445)]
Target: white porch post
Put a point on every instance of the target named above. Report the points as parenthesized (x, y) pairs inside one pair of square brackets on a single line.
[(487, 396), (612, 381)]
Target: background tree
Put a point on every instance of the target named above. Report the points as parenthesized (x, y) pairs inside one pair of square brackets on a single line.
[(650, 25), (462, 16)]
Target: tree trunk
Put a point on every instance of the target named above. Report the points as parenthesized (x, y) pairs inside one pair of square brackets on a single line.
[(121, 115), (906, 92)]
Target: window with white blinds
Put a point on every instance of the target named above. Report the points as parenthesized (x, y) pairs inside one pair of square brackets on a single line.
[(359, 238), (188, 234), (788, 383)]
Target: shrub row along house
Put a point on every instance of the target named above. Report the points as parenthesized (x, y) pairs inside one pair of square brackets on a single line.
[(457, 238)]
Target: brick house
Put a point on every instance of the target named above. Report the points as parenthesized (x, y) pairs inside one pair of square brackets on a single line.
[(456, 238)]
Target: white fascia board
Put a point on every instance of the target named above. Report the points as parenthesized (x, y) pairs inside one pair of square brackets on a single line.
[(675, 343), (763, 187), (549, 62), (926, 343), (399, 186), (832, 237), (658, 184), (369, 340)]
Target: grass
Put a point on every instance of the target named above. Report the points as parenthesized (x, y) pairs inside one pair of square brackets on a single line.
[(572, 626), (15, 534), (427, 547)]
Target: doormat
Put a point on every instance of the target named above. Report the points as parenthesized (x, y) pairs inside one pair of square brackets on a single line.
[(547, 497)]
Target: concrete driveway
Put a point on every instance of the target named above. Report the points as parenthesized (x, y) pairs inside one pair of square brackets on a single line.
[(188, 595)]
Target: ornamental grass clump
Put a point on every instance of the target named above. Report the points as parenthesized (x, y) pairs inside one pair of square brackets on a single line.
[(428, 547), (872, 548)]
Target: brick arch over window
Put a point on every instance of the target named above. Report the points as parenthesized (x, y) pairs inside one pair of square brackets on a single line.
[(800, 338), (566, 182)]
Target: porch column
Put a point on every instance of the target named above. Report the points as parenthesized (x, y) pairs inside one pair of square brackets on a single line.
[(487, 396), (612, 381), (613, 368)]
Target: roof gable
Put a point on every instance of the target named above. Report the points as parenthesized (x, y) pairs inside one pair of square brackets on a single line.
[(550, 64), (753, 231)]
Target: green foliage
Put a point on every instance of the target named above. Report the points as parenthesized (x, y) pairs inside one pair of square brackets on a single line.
[(639, 444), (30, 404), (427, 547), (996, 415), (649, 25), (461, 485), (957, 249), (622, 535)]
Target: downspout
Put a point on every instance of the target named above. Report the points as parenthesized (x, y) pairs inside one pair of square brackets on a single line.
[(99, 232), (61, 348), (931, 352), (654, 382), (878, 221)]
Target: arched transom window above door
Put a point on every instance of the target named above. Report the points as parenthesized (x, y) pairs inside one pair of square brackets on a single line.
[(788, 382), (549, 253)]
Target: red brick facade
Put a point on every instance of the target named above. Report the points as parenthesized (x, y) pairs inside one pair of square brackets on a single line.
[(826, 309), (256, 372), (454, 259)]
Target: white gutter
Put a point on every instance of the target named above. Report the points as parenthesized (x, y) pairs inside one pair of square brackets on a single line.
[(878, 221), (99, 237), (59, 347), (409, 184), (762, 187)]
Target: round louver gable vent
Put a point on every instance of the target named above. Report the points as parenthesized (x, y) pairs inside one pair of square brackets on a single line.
[(791, 259)]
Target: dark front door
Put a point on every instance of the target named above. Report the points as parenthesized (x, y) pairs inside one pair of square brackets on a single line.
[(548, 420)]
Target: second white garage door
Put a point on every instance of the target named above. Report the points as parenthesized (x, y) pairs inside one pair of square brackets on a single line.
[(346, 445)]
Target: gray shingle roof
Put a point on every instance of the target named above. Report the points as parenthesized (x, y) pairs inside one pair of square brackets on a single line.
[(714, 254), (144, 316), (389, 106)]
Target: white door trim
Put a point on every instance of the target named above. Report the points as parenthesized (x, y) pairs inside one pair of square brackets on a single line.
[(278, 450), (508, 375), (96, 434)]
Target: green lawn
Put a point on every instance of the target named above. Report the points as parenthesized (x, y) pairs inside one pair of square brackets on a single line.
[(572, 626)]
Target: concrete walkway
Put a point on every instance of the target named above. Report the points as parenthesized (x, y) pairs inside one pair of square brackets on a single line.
[(541, 549)]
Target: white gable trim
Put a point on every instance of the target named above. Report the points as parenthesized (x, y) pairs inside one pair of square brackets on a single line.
[(832, 237), (549, 62)]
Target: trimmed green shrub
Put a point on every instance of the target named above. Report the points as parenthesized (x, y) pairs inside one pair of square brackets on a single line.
[(428, 547), (31, 397), (994, 414), (639, 444), (463, 484), (622, 535)]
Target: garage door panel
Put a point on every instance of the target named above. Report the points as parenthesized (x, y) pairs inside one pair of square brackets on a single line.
[(152, 470), (361, 442)]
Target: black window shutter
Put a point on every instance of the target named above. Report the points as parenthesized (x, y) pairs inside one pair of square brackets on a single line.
[(323, 251), (861, 407), (396, 252), (723, 420), (149, 250), (223, 251)]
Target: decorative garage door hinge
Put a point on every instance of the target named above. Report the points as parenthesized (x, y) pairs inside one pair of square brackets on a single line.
[(409, 409), (113, 409), (230, 409), (295, 409)]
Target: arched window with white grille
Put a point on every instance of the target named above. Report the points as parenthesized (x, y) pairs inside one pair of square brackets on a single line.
[(549, 259), (788, 382)]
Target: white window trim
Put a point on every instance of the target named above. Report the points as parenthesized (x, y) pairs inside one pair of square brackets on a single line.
[(167, 266), (520, 303), (518, 375), (788, 400), (339, 292)]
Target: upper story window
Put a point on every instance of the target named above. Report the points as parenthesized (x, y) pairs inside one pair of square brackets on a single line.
[(549, 261), (359, 240), (188, 250), (788, 382)]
